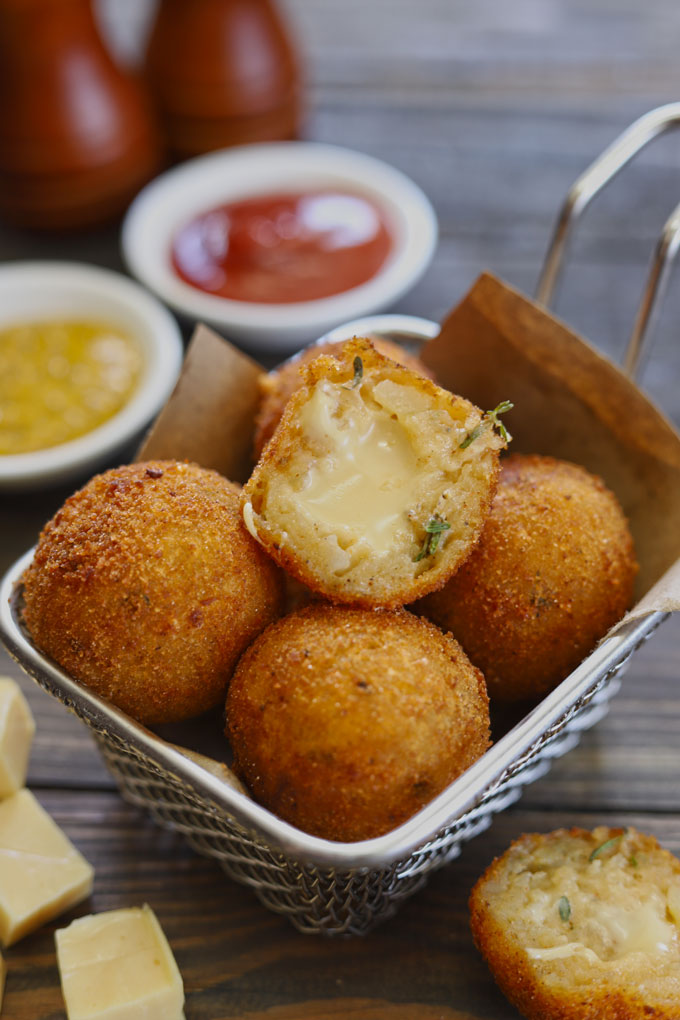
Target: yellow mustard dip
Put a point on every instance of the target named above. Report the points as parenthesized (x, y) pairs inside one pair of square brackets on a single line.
[(59, 380)]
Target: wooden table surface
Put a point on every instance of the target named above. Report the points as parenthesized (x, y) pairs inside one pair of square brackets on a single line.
[(493, 108)]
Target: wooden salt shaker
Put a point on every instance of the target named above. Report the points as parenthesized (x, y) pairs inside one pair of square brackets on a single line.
[(222, 72), (77, 138)]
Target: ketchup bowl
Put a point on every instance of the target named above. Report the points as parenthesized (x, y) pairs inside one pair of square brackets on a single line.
[(275, 244)]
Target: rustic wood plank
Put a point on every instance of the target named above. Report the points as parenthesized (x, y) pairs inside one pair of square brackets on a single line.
[(629, 760), (240, 961)]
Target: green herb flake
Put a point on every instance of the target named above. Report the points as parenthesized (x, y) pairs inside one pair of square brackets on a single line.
[(503, 408), (434, 528), (358, 366), (491, 420), (607, 845), (564, 907), (633, 861), (471, 436)]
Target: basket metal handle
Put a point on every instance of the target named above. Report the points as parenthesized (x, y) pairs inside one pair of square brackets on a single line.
[(579, 196)]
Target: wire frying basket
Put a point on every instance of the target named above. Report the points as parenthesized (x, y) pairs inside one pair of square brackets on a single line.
[(345, 888)]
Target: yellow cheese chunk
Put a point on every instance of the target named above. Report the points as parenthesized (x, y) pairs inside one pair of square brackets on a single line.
[(118, 966), (16, 735), (41, 872)]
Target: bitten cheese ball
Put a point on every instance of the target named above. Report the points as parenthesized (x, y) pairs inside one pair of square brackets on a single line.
[(553, 571), (146, 587), (376, 483), (278, 386), (579, 925), (345, 721)]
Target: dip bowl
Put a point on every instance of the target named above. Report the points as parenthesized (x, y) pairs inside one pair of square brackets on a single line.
[(34, 292), (199, 185)]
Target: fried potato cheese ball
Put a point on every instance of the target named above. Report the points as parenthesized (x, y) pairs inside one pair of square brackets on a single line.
[(553, 571), (346, 721), (277, 387), (146, 587), (376, 483), (579, 925)]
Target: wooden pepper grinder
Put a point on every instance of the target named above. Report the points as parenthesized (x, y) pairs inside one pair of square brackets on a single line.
[(222, 72), (77, 137)]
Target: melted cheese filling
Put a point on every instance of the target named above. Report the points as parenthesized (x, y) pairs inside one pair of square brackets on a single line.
[(638, 930), (563, 952), (615, 932), (366, 481), (673, 897)]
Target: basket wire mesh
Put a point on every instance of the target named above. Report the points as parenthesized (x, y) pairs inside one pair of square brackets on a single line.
[(347, 888), (340, 891)]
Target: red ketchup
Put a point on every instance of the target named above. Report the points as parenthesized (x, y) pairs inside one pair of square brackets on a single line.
[(277, 249)]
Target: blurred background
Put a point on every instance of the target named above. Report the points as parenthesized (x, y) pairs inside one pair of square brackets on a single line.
[(493, 109)]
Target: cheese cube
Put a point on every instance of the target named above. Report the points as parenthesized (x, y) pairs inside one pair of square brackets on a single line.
[(119, 966), (16, 735), (41, 872)]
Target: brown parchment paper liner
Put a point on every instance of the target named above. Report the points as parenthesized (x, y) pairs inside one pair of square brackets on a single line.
[(210, 413), (570, 402)]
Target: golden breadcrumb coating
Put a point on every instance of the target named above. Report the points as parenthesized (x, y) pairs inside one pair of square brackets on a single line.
[(376, 483), (346, 721), (553, 571), (146, 587), (277, 387), (579, 925)]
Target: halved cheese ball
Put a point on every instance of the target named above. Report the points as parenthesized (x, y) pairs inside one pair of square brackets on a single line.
[(278, 386), (376, 483), (579, 925)]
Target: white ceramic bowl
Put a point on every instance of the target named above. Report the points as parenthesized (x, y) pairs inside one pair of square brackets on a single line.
[(43, 291), (179, 195)]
